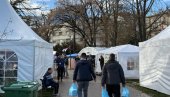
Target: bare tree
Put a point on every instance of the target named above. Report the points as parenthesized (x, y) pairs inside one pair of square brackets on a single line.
[(83, 18), (141, 9)]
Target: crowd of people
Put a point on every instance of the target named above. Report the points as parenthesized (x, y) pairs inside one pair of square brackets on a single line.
[(112, 74)]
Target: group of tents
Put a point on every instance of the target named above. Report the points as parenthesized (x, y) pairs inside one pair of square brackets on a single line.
[(150, 62), (127, 55), (24, 56)]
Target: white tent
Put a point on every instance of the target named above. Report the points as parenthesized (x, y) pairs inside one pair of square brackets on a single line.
[(24, 56), (126, 55), (155, 62), (91, 50)]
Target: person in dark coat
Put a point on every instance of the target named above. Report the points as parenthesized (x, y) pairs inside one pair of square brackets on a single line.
[(101, 59), (83, 73), (112, 76), (66, 66), (49, 81), (60, 67)]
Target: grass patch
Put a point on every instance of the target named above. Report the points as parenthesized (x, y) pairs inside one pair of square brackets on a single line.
[(150, 92)]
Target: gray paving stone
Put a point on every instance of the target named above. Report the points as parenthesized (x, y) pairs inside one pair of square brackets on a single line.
[(94, 88)]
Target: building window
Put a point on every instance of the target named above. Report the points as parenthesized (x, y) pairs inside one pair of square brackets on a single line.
[(60, 33), (8, 67)]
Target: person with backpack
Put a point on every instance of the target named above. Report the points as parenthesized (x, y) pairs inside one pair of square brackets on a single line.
[(83, 73), (112, 76)]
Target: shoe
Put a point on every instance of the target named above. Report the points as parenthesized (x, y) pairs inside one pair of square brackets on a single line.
[(56, 95)]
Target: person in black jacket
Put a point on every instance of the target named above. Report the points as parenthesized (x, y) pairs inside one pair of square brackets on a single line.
[(112, 76), (83, 73), (49, 81), (101, 59)]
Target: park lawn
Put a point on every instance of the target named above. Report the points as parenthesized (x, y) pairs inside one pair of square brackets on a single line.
[(152, 93)]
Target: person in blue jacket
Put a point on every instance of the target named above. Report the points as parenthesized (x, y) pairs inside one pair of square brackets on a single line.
[(49, 81), (83, 73), (61, 65)]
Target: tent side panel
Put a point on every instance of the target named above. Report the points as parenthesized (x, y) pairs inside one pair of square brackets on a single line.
[(155, 68), (25, 61), (130, 64), (43, 60)]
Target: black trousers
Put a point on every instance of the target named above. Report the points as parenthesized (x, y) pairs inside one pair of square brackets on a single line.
[(60, 73), (55, 85), (113, 90)]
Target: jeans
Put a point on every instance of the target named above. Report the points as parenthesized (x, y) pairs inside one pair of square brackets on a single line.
[(83, 88), (113, 90)]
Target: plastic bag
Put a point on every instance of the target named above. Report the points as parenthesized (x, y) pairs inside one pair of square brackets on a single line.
[(125, 92), (73, 90), (104, 92)]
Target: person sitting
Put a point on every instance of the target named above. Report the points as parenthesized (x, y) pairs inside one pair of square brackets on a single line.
[(49, 81)]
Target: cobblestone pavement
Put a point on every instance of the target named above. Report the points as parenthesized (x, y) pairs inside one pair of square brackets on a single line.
[(94, 88)]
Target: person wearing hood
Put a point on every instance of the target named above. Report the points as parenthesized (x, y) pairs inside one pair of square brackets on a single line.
[(112, 77), (83, 73)]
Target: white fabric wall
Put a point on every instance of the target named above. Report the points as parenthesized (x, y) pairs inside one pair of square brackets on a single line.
[(43, 60), (25, 61), (123, 59), (155, 66), (28, 54), (97, 63)]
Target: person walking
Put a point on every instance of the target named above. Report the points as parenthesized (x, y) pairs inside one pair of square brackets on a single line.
[(66, 66), (101, 59), (49, 81), (60, 67), (112, 76), (83, 73)]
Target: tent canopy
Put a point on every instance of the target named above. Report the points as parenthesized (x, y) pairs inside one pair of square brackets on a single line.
[(154, 62), (122, 48), (91, 50), (12, 26), (33, 53)]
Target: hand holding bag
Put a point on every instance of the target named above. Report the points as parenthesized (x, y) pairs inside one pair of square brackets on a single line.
[(73, 90), (125, 92), (104, 92)]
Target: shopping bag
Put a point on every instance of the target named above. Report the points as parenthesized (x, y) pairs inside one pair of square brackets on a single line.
[(73, 90), (104, 92), (125, 92)]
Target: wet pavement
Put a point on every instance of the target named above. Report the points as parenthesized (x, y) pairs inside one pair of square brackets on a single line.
[(94, 88)]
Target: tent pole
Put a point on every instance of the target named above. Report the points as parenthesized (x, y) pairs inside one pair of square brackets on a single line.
[(34, 63)]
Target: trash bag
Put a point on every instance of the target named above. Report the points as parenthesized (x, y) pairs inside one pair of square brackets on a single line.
[(104, 92), (125, 92), (73, 90)]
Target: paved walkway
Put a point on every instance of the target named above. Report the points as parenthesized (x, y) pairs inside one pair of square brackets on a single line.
[(94, 88)]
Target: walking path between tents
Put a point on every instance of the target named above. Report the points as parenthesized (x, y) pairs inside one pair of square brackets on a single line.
[(94, 88)]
